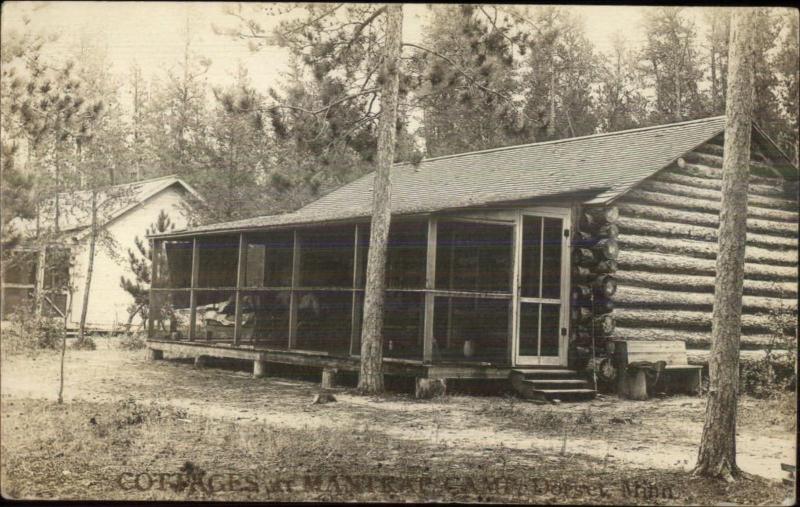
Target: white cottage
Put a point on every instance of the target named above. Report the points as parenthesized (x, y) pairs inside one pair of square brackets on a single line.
[(126, 211)]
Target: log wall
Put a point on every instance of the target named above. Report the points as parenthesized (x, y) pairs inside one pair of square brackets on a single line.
[(667, 250)]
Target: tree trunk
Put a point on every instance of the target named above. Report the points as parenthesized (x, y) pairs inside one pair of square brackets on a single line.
[(371, 375), (717, 455), (89, 269)]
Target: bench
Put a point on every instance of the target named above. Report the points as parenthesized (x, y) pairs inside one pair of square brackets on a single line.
[(643, 366)]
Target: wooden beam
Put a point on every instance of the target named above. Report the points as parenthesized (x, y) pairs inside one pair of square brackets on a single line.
[(430, 283), (193, 293), (293, 296), (240, 273)]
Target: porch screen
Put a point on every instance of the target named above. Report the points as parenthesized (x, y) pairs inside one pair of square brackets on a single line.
[(473, 287)]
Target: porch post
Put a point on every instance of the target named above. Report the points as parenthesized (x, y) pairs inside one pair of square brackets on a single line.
[(41, 259), (430, 284), (354, 327), (292, 293), (513, 328), (192, 292), (154, 275), (237, 327)]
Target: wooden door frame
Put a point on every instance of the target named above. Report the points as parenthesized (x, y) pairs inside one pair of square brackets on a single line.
[(564, 213)]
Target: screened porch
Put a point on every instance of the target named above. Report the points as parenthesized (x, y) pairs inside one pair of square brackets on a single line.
[(449, 296)]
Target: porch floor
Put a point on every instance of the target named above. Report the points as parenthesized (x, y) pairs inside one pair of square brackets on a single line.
[(392, 366)]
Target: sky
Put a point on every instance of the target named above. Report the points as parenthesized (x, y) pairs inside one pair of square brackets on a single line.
[(151, 34)]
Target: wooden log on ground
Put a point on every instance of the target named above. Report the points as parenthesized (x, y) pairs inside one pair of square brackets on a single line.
[(697, 218), (704, 249), (684, 320), (684, 189), (703, 283), (632, 225), (427, 388), (692, 338), (633, 260), (704, 205), (639, 297)]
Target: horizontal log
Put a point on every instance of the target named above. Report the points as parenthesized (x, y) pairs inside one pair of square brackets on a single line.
[(692, 339), (713, 195), (667, 280), (696, 218), (632, 225), (629, 296), (677, 175), (706, 205), (633, 260), (719, 150), (700, 356), (715, 161), (685, 320), (704, 249)]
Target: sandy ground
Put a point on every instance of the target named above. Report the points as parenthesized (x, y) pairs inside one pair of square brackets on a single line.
[(657, 434)]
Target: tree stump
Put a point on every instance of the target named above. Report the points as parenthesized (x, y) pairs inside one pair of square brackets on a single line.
[(427, 388), (259, 369), (329, 378)]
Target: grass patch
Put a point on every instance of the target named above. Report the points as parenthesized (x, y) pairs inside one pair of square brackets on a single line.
[(134, 451)]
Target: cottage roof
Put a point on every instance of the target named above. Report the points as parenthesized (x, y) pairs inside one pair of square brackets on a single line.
[(75, 207), (596, 168)]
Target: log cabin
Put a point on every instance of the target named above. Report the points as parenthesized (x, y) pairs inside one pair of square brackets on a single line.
[(525, 262)]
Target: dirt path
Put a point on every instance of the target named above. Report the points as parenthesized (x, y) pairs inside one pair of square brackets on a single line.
[(659, 434)]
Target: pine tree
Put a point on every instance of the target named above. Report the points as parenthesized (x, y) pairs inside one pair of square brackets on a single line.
[(139, 262)]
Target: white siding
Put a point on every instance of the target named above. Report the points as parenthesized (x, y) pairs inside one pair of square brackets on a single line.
[(108, 302)]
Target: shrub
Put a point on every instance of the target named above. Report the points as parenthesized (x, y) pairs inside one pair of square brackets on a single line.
[(85, 344), (132, 342), (27, 332), (775, 372)]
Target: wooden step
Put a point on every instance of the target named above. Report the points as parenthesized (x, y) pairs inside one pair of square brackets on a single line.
[(544, 372), (552, 384), (567, 383), (567, 394)]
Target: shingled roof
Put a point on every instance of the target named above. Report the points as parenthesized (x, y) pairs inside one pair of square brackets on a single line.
[(599, 167), (75, 207)]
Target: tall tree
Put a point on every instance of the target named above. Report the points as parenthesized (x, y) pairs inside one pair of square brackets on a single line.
[(466, 78), (670, 62), (139, 263), (620, 103), (717, 454), (562, 67), (787, 61)]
